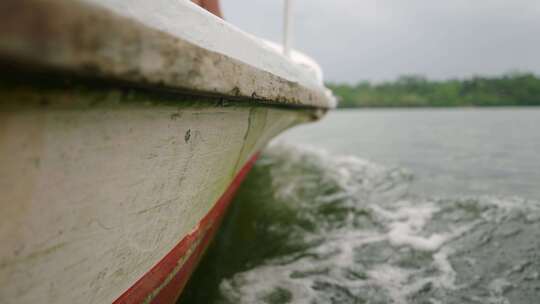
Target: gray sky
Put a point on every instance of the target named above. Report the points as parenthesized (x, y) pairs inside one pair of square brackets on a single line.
[(381, 39)]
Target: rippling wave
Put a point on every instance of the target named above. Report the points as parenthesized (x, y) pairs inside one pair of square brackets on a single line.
[(311, 227)]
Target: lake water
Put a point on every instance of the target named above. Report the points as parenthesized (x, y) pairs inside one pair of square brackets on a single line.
[(386, 206)]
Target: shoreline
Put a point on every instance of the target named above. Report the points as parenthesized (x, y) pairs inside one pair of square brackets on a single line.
[(439, 107)]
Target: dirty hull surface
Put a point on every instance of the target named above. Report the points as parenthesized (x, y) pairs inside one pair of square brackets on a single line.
[(159, 43), (98, 185)]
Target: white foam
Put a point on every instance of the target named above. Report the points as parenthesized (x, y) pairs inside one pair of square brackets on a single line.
[(408, 223), (393, 278), (401, 225)]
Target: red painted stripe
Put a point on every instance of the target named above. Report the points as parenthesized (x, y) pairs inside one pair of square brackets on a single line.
[(165, 281)]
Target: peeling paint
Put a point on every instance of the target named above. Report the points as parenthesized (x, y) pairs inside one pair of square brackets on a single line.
[(187, 136)]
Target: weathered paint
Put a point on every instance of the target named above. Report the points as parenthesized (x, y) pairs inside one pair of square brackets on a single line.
[(165, 281), (172, 44), (110, 194), (99, 185)]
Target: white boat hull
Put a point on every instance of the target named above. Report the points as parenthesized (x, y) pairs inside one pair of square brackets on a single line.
[(97, 188), (125, 128)]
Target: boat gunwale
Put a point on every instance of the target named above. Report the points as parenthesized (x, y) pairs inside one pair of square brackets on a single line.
[(93, 42), (22, 76)]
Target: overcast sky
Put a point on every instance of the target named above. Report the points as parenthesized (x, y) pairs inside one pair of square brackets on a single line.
[(381, 39)]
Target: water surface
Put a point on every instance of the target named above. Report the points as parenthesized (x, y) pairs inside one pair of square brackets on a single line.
[(386, 206)]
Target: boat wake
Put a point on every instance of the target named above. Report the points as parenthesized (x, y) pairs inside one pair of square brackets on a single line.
[(338, 229)]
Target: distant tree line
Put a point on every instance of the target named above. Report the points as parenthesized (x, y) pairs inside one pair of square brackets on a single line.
[(516, 89)]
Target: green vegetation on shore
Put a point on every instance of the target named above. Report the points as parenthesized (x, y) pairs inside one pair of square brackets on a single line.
[(517, 89)]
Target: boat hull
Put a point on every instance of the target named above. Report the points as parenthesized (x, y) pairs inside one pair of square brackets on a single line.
[(113, 194), (123, 135), (166, 280)]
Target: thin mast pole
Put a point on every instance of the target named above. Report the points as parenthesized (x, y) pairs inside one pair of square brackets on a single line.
[(287, 28)]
